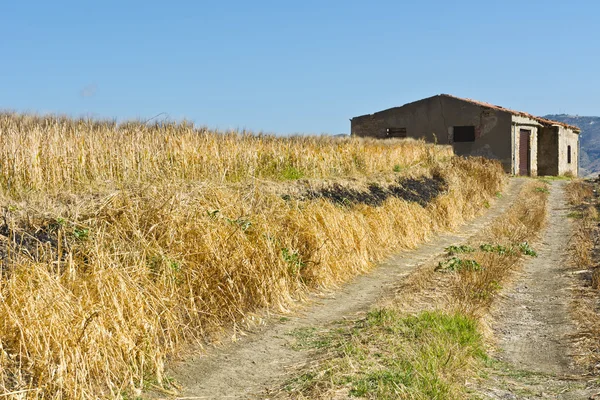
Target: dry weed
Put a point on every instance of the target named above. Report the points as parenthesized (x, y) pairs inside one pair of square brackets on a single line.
[(426, 342), (578, 192), (584, 258), (121, 243), (476, 271), (500, 251)]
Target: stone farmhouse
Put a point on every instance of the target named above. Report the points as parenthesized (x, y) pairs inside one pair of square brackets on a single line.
[(523, 143)]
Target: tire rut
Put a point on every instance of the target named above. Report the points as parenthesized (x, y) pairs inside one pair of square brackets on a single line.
[(533, 323), (260, 359)]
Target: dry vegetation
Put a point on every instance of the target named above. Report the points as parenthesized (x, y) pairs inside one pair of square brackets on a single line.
[(585, 260), (428, 341), (500, 250), (122, 243), (470, 275)]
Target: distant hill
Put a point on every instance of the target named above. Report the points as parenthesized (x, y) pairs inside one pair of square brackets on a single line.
[(590, 140)]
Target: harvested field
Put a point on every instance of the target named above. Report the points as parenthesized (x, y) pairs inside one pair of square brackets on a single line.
[(123, 244)]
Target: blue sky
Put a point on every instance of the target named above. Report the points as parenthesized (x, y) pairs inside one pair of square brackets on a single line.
[(294, 66)]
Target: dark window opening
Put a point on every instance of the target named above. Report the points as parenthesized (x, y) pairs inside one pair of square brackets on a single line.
[(395, 132), (568, 154), (464, 133)]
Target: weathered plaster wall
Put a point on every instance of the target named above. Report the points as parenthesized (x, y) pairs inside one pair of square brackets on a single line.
[(566, 137), (532, 126), (422, 119), (548, 151), (434, 119)]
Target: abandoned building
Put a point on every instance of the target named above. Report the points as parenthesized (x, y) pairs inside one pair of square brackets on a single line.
[(523, 143)]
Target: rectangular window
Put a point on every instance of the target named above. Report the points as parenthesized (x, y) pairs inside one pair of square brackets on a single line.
[(464, 133), (395, 132), (569, 154)]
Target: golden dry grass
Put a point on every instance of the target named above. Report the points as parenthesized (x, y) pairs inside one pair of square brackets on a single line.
[(472, 291), (122, 243), (507, 240), (583, 258), (578, 192), (426, 341), (59, 154), (580, 196)]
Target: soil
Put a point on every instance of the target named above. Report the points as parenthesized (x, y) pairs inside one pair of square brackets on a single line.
[(533, 325), (246, 367)]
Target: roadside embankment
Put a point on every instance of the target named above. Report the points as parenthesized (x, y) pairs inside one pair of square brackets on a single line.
[(123, 244)]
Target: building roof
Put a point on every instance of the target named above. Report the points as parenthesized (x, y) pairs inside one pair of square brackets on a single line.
[(541, 120)]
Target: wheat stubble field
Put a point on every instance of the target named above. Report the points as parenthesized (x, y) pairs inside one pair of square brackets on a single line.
[(121, 244)]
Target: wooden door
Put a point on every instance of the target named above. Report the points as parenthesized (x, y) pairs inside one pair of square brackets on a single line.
[(524, 152)]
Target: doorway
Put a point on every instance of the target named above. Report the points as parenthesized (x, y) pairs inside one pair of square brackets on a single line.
[(524, 152)]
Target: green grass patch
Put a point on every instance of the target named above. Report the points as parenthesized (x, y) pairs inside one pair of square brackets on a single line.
[(550, 178), (388, 355), (452, 250), (291, 173), (575, 215), (527, 250), (456, 264), (495, 248)]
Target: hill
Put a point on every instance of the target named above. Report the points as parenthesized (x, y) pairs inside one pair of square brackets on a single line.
[(590, 140)]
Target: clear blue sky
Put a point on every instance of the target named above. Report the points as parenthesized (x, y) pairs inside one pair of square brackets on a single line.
[(300, 66)]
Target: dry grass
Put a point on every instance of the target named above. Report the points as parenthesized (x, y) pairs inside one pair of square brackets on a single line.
[(500, 250), (122, 243), (578, 192), (497, 252), (57, 154), (426, 342), (584, 258), (580, 196)]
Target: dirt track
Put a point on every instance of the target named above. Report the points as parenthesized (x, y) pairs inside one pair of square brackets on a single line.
[(243, 369), (533, 322)]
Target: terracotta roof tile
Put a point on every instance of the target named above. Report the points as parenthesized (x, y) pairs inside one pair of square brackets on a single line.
[(541, 120)]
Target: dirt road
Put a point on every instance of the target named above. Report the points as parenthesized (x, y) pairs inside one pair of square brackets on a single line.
[(533, 322), (244, 368)]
